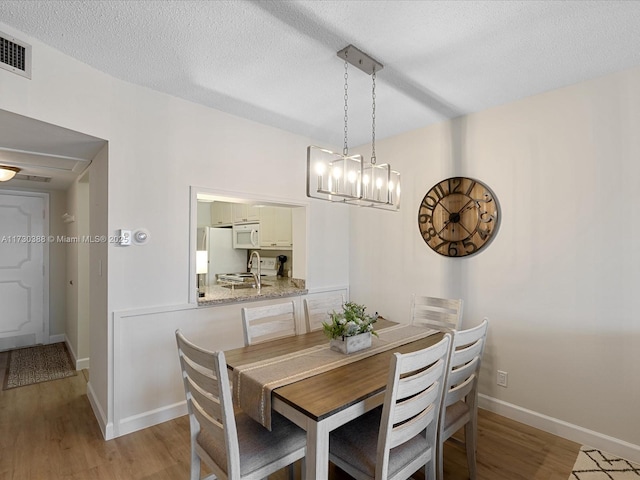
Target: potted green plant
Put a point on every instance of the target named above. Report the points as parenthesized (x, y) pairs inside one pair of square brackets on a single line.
[(351, 329)]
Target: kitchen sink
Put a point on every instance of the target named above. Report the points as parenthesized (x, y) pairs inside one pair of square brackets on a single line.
[(237, 278), (240, 286)]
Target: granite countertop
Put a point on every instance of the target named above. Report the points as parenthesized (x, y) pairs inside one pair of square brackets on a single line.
[(273, 287)]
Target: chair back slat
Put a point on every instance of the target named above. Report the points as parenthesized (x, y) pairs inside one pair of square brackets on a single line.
[(467, 353), (412, 406), (461, 373), (204, 379), (275, 326), (197, 355), (470, 335), (439, 313), (459, 392), (406, 431), (210, 424), (443, 303), (208, 403), (433, 316), (268, 322), (317, 310), (419, 381)]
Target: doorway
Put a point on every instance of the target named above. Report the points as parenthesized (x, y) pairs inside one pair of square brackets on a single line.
[(50, 159), (24, 266)]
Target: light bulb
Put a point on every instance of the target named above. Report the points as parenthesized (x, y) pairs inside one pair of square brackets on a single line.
[(337, 172), (379, 183), (365, 179), (352, 176), (320, 168)]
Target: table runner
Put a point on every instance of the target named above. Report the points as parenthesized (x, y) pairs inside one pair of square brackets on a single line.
[(254, 382)]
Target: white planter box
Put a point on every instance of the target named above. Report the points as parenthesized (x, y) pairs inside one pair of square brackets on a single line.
[(351, 344)]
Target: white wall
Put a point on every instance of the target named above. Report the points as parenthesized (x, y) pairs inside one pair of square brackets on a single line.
[(159, 146), (558, 282)]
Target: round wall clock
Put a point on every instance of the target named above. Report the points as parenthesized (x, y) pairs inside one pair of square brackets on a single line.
[(458, 217)]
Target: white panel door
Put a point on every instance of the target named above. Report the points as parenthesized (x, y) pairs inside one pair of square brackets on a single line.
[(22, 243)]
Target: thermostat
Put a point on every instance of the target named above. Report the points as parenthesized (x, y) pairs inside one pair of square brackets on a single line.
[(140, 237)]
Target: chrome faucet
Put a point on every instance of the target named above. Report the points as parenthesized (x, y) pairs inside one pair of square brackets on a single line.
[(256, 277)]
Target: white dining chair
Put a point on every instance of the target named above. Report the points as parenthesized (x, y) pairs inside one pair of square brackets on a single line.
[(269, 322), (438, 313), (395, 441), (460, 400), (233, 445), (317, 310)]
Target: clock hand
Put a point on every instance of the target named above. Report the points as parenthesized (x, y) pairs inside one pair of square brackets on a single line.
[(465, 206), (443, 227)]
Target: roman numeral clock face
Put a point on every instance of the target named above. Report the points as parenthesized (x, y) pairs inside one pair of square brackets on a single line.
[(458, 217)]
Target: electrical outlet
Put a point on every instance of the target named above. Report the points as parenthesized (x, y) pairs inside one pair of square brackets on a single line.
[(502, 378)]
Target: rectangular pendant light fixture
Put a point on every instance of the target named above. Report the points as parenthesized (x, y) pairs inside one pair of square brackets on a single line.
[(344, 178)]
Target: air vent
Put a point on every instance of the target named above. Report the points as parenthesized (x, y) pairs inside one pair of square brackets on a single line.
[(32, 178), (15, 55)]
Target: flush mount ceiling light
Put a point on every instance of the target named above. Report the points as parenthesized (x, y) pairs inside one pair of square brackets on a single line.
[(7, 173), (344, 178)]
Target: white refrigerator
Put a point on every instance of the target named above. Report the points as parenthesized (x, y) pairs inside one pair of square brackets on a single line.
[(223, 258)]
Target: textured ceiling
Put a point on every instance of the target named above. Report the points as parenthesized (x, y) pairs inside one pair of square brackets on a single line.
[(276, 63)]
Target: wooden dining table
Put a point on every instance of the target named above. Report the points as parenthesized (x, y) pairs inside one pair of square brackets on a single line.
[(323, 402)]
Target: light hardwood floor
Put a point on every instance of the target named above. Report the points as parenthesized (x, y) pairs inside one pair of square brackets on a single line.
[(48, 432)]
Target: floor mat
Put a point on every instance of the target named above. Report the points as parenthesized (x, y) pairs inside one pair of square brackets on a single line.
[(41, 363), (593, 464)]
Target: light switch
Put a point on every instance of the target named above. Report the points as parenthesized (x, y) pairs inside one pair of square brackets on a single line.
[(124, 237)]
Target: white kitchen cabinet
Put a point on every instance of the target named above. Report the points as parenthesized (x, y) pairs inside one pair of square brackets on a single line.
[(204, 214), (221, 213), (243, 212), (275, 227)]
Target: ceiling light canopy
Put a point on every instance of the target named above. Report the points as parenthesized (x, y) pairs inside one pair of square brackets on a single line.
[(346, 178), (7, 173)]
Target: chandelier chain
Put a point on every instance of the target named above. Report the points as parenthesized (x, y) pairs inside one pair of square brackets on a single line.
[(373, 118), (345, 148)]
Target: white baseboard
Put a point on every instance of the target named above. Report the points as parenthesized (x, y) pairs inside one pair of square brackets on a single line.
[(152, 417), (74, 357), (105, 427), (561, 428), (80, 363)]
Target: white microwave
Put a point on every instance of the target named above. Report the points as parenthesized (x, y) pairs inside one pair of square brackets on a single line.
[(246, 235)]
